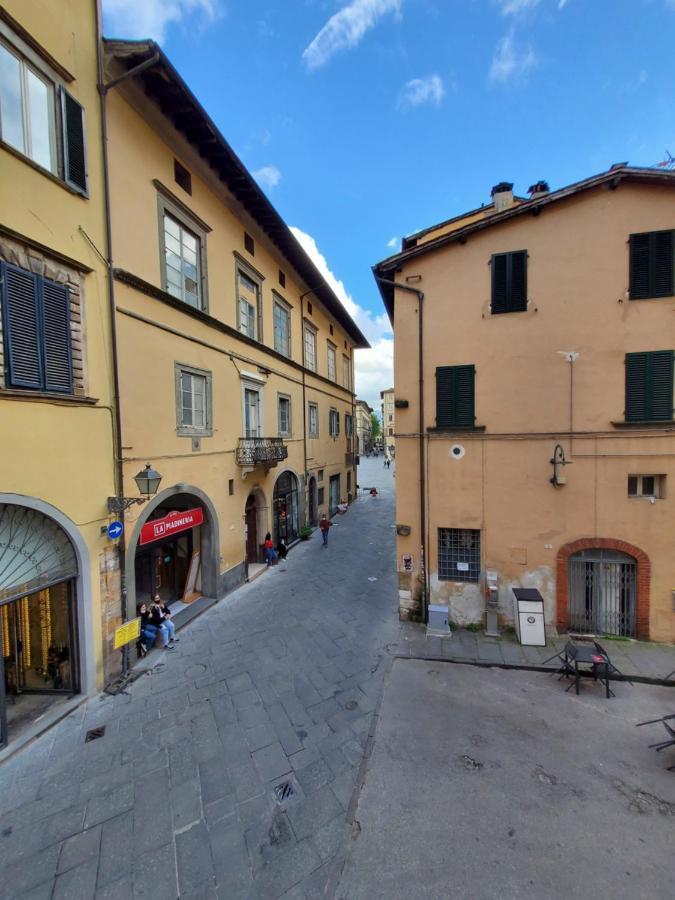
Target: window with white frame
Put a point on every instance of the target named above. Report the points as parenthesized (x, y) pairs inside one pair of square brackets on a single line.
[(310, 347), (284, 416), (333, 423), (346, 372), (182, 253), (252, 409), (648, 486), (248, 305), (193, 401), (349, 426), (282, 327), (29, 122), (332, 364), (313, 419)]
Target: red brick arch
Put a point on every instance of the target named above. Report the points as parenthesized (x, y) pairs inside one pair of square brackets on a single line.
[(643, 579)]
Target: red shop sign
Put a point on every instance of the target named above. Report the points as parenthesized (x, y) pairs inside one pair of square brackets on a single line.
[(181, 520)]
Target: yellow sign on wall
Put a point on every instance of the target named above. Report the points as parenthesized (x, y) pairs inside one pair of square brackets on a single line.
[(126, 633)]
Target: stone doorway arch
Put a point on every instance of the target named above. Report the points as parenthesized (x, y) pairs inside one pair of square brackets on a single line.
[(643, 579), (180, 497)]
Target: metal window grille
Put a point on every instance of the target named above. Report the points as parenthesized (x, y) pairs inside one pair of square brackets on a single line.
[(459, 554)]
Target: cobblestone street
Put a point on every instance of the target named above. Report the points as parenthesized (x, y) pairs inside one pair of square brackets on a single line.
[(276, 684)]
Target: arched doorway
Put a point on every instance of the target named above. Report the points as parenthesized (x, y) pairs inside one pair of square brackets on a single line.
[(642, 579), (285, 508), (40, 660), (311, 498), (174, 549), (602, 592)]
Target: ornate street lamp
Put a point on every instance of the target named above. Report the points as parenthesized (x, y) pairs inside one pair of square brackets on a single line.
[(147, 481)]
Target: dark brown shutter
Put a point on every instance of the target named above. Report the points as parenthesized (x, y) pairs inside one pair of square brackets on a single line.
[(649, 386), (58, 368), (21, 325), (74, 154), (455, 396)]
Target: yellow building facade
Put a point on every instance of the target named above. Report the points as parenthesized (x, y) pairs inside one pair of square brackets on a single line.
[(543, 452), (235, 357), (59, 587), (388, 412)]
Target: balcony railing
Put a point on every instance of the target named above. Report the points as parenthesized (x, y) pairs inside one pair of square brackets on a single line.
[(261, 451)]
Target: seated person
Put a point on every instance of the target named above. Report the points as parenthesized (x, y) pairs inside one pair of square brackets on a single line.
[(160, 622), (148, 630), (167, 621), (282, 549)]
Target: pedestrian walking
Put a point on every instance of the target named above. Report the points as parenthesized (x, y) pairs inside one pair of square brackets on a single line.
[(325, 524), (269, 551)]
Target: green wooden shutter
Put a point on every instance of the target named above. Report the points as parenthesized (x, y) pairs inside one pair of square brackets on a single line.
[(649, 386), (662, 264), (499, 283), (509, 282), (455, 396), (651, 265), (74, 153), (21, 326), (58, 368), (518, 281)]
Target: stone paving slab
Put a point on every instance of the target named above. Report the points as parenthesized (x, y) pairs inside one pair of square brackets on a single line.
[(639, 659), (276, 683)]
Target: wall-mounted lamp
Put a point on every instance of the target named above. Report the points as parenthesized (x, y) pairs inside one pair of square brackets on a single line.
[(559, 462), (147, 481)]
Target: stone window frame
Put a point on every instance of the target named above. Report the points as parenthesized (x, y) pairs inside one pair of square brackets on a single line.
[(278, 300), (243, 266), (346, 372), (313, 433), (169, 204), (289, 431), (331, 348), (309, 328), (192, 430), (35, 260)]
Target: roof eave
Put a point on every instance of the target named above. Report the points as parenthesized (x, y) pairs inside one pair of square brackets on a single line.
[(231, 171)]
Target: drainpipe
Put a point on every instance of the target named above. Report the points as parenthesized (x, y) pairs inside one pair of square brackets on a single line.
[(420, 354), (117, 435), (117, 431)]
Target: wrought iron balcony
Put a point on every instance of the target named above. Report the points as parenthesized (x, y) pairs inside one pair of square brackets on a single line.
[(257, 451)]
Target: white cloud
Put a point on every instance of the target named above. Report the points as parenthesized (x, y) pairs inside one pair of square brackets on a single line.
[(516, 7), (346, 28), (151, 18), (393, 243), (374, 367), (510, 60), (267, 176), (420, 91)]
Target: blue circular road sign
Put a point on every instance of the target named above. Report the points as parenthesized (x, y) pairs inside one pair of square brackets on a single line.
[(115, 530)]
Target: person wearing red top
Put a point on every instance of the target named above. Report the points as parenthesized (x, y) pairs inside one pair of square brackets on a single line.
[(269, 551)]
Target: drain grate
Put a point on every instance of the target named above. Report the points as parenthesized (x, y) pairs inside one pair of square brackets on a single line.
[(94, 734), (284, 791)]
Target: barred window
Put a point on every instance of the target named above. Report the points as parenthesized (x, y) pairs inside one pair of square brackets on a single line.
[(459, 554)]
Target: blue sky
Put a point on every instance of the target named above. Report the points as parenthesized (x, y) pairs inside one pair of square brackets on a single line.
[(370, 119)]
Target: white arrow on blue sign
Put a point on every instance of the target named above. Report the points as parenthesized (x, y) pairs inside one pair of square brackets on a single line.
[(115, 530)]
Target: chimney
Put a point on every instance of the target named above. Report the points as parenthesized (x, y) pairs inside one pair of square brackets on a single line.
[(502, 195), (538, 190)]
